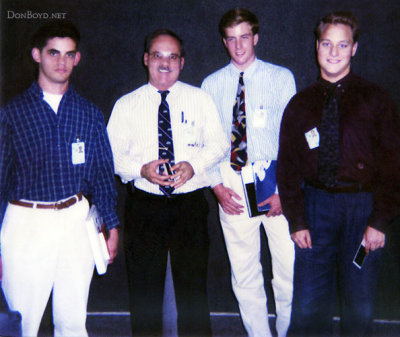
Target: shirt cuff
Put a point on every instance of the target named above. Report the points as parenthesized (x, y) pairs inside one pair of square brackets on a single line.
[(111, 221)]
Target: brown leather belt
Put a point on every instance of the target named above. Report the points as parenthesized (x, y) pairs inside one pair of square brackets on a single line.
[(55, 205)]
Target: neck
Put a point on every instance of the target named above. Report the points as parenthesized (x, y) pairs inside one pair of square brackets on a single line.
[(53, 88), (243, 67), (333, 79)]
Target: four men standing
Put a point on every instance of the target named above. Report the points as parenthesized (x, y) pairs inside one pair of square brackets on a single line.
[(337, 176)]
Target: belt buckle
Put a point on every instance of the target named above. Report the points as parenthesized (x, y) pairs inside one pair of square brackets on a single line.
[(57, 205)]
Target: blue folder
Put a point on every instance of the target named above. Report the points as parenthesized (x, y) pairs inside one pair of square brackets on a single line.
[(259, 182)]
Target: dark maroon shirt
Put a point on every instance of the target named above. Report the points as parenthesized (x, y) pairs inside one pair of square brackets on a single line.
[(369, 147)]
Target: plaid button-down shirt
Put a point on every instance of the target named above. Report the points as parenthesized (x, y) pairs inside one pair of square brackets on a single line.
[(36, 152)]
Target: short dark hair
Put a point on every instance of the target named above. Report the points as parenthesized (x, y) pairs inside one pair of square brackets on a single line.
[(159, 32), (345, 18), (51, 29), (235, 17)]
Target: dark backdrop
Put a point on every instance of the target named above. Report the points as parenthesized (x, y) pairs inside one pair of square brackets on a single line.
[(112, 48)]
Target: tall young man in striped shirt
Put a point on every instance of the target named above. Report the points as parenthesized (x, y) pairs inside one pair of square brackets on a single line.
[(267, 89), (54, 151)]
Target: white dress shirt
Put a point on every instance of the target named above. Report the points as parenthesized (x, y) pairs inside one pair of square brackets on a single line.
[(196, 131), (268, 88)]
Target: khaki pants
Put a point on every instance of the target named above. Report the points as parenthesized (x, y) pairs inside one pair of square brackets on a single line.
[(42, 251), (242, 238)]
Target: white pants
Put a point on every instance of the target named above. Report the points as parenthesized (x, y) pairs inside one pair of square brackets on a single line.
[(42, 251), (242, 238)]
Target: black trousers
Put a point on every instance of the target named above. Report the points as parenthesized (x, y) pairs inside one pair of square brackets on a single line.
[(155, 225)]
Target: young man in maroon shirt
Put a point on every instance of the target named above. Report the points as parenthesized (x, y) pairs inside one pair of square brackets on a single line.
[(338, 179)]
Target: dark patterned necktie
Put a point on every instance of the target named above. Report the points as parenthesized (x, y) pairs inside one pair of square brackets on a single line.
[(165, 144), (328, 154), (238, 138)]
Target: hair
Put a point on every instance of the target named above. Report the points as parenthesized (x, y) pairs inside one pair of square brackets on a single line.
[(59, 28), (159, 32), (345, 18), (235, 17)]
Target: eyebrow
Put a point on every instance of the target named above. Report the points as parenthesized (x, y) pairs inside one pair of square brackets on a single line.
[(232, 36), (166, 54), (52, 50), (341, 41)]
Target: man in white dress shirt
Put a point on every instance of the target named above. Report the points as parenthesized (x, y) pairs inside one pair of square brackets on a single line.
[(166, 211), (267, 90)]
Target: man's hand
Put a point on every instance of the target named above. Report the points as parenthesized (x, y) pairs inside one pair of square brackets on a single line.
[(374, 239), (149, 172), (275, 205), (225, 197), (183, 172), (302, 238), (112, 243)]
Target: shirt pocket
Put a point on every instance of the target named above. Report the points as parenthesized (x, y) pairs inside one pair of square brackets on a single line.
[(190, 131)]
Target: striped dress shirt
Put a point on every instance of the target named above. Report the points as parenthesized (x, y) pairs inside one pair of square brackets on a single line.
[(268, 89), (196, 131)]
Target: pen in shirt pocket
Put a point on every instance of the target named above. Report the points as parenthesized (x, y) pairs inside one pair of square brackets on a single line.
[(183, 118)]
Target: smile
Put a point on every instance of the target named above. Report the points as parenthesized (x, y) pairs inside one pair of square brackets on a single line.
[(164, 70)]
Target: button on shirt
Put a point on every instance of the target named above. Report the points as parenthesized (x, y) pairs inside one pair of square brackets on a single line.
[(196, 131), (268, 89), (36, 152)]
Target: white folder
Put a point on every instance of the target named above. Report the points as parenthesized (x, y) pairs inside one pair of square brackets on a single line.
[(97, 240)]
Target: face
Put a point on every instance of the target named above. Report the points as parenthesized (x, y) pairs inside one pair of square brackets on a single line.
[(335, 49), (56, 61), (164, 62), (240, 42)]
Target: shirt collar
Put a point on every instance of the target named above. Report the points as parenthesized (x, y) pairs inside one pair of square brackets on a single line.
[(154, 91), (37, 91), (248, 72), (326, 84)]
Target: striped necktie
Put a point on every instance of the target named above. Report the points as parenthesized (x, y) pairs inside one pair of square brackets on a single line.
[(165, 144), (238, 138)]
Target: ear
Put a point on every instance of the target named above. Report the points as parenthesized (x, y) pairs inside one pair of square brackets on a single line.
[(255, 39), (354, 49), (182, 62), (36, 54), (225, 43), (77, 58), (317, 45), (146, 59)]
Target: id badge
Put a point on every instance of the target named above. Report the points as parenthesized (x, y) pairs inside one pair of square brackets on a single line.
[(312, 138), (78, 152), (260, 117), (190, 133)]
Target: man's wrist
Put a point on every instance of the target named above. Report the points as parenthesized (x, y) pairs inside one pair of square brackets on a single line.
[(217, 187)]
